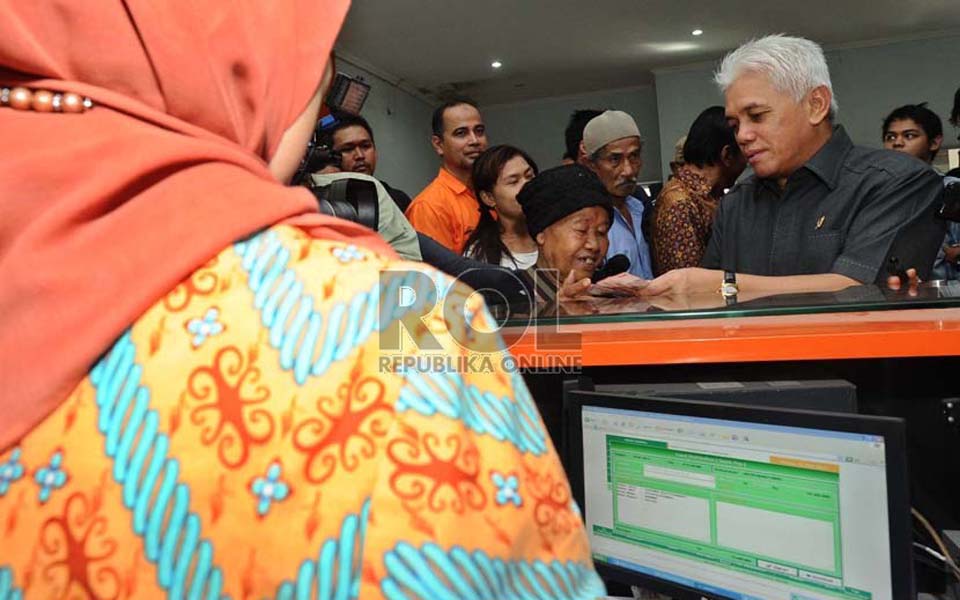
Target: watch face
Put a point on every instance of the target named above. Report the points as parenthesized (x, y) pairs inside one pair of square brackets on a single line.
[(728, 289)]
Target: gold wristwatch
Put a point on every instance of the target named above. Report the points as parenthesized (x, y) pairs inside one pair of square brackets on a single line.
[(728, 289)]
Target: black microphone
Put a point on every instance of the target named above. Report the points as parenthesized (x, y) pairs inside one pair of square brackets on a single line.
[(616, 264)]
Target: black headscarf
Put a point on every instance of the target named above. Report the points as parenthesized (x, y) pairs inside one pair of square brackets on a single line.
[(559, 192)]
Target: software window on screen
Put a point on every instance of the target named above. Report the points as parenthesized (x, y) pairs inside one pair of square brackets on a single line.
[(739, 509)]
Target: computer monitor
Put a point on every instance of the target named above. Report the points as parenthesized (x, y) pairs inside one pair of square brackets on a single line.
[(710, 500)]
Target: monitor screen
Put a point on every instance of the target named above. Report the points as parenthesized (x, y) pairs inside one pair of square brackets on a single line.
[(745, 506), (347, 94)]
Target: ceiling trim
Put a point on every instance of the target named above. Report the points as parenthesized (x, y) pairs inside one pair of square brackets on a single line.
[(561, 97), (872, 43), (913, 37), (694, 66)]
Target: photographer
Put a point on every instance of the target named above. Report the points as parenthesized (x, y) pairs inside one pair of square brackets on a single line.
[(352, 138), (355, 197)]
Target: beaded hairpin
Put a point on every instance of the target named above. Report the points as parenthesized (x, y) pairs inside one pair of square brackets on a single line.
[(21, 98)]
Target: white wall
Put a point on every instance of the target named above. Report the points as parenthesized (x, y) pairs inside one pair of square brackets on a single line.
[(537, 126), (868, 82), (681, 96), (401, 129)]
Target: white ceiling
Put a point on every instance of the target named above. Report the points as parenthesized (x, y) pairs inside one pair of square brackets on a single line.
[(558, 47)]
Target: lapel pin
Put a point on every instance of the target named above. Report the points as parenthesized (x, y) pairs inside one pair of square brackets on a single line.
[(820, 221)]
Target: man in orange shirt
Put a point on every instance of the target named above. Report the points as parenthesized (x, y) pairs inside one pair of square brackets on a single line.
[(447, 210)]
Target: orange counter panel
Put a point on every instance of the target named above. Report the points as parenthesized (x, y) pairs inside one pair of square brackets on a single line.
[(881, 334)]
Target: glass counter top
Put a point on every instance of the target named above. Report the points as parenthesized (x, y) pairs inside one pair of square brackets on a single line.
[(934, 294)]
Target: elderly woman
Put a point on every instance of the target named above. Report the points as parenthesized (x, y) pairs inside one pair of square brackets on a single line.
[(568, 213), (193, 399)]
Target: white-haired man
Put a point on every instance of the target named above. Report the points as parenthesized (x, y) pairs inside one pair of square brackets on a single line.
[(818, 214)]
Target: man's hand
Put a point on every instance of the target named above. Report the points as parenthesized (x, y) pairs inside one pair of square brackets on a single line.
[(572, 288), (691, 280), (894, 283)]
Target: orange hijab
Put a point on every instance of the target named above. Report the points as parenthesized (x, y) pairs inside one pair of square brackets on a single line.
[(103, 213)]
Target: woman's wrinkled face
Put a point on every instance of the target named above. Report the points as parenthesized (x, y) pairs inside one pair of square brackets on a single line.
[(576, 243), (293, 145)]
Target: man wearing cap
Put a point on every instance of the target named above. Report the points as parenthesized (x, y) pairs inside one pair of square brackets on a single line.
[(568, 214), (611, 146)]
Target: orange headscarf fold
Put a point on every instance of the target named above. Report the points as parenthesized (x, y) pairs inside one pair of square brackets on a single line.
[(103, 213)]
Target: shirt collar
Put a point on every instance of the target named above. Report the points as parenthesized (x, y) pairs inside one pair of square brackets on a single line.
[(634, 206), (828, 161), (633, 203), (455, 185)]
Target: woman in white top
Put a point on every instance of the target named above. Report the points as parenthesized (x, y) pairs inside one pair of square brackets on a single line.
[(501, 237)]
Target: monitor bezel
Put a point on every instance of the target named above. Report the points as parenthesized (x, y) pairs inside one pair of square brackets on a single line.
[(891, 429)]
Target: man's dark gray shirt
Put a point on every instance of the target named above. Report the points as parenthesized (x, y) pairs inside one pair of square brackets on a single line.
[(844, 212)]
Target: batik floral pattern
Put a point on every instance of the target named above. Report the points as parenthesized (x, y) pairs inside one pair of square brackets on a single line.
[(241, 439)]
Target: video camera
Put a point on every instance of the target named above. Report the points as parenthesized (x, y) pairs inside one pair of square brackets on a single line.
[(351, 199), (319, 154)]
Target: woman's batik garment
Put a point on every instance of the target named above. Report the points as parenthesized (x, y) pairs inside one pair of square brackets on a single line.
[(256, 434)]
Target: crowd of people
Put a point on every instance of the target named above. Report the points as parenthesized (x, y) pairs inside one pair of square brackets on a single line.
[(815, 212), (192, 399)]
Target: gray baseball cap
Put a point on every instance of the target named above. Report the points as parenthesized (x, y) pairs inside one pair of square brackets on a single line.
[(608, 127)]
